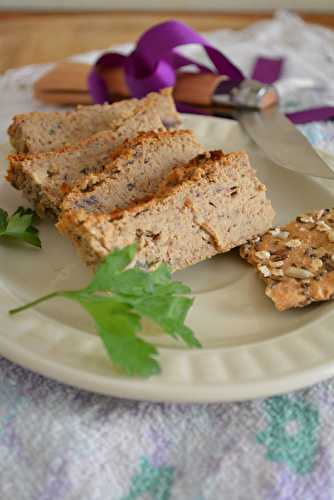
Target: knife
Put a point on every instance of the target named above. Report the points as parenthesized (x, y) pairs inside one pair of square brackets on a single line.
[(256, 107)]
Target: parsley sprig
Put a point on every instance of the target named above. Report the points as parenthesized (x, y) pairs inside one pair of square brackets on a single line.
[(20, 226), (118, 298)]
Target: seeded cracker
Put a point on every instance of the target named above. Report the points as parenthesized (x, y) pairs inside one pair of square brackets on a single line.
[(296, 261)]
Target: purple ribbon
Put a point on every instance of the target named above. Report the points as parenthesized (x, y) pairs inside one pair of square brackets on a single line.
[(266, 70), (154, 63), (312, 115)]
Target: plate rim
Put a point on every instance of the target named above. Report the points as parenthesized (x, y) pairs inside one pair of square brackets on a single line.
[(172, 392)]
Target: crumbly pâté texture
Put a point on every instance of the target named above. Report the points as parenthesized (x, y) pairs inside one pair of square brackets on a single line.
[(136, 169), (46, 131), (206, 207), (296, 261), (45, 178)]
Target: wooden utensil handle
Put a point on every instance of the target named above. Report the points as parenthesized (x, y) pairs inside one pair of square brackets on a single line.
[(66, 83)]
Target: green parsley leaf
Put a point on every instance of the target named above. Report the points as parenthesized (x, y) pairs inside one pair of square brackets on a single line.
[(3, 220), (110, 267), (117, 326), (118, 297), (20, 226)]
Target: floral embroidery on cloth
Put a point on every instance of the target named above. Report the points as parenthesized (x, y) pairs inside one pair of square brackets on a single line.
[(291, 433), (157, 481)]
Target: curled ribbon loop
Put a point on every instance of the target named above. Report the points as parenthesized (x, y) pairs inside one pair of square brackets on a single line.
[(154, 62)]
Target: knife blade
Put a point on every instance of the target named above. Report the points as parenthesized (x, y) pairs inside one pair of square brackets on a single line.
[(282, 142), (255, 106)]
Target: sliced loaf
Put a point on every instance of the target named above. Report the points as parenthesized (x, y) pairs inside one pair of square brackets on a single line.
[(39, 132), (45, 178), (207, 207), (136, 170)]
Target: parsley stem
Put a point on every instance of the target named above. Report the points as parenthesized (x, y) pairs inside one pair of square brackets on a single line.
[(34, 303)]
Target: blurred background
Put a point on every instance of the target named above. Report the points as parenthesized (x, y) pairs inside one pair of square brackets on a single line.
[(34, 31), (188, 5)]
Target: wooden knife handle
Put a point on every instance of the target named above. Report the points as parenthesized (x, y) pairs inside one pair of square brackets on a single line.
[(66, 83)]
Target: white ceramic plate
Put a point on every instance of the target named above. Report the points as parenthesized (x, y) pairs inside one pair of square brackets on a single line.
[(249, 349)]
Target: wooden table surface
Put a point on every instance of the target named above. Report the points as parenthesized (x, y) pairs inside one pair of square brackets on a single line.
[(27, 38)]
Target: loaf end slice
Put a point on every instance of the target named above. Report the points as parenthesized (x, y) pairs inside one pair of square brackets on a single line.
[(296, 261), (47, 131), (135, 171), (209, 206), (46, 178)]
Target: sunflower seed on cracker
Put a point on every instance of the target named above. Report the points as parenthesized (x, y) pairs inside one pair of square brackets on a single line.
[(262, 255), (264, 270), (306, 219), (322, 226), (294, 243), (298, 272)]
